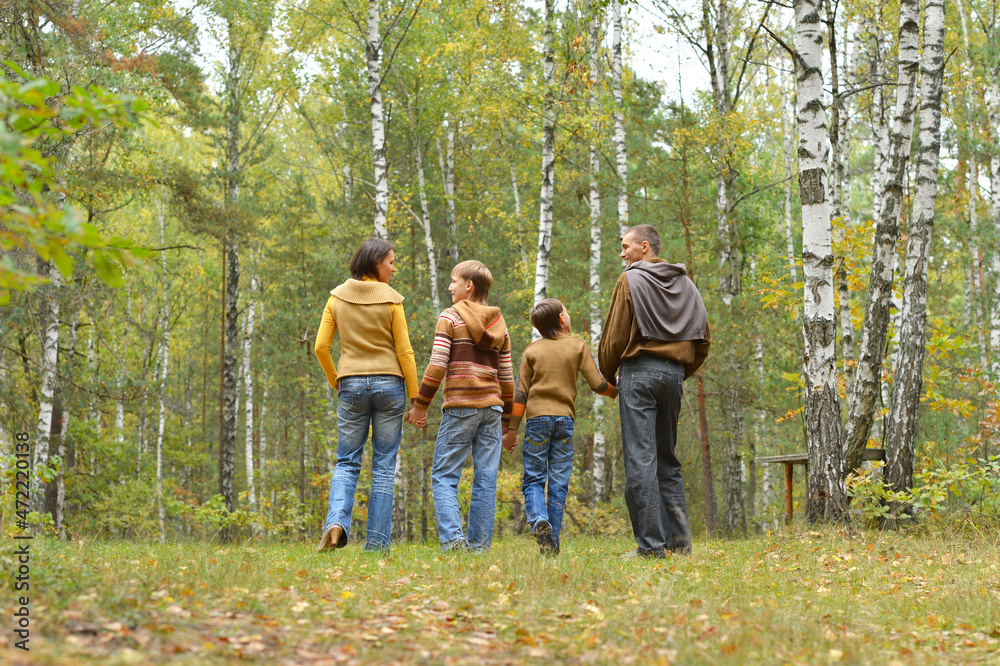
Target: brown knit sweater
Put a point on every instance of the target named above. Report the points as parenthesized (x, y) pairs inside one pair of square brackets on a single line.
[(471, 355), (547, 379)]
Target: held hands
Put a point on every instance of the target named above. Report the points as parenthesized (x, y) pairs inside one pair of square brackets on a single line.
[(417, 416), (509, 440)]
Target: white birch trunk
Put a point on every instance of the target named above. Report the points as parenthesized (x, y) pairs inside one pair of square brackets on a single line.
[(789, 234), (880, 125), (995, 214), (248, 393), (46, 398), (373, 45), (446, 163), (597, 411), (425, 223), (548, 165), (826, 492), (876, 322), (902, 426), (164, 365), (262, 429), (621, 154), (94, 366)]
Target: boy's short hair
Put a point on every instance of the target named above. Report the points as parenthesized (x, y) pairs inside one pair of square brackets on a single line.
[(366, 259), (478, 274), (545, 317), (648, 233)]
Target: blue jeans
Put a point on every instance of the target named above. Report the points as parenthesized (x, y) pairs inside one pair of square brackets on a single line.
[(464, 429), (547, 455), (378, 401), (650, 404)]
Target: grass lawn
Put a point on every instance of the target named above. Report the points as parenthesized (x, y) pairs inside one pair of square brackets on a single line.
[(799, 597)]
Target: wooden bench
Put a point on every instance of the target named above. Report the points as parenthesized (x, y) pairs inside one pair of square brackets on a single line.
[(793, 459)]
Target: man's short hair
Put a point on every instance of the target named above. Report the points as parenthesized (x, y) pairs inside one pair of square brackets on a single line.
[(545, 317), (645, 232), (478, 274), (366, 260)]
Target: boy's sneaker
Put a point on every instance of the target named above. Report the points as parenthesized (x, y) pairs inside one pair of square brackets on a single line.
[(543, 537)]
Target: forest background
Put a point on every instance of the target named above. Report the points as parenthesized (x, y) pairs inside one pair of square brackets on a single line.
[(185, 182)]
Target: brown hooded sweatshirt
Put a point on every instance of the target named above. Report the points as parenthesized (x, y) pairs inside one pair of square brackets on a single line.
[(471, 355), (655, 309)]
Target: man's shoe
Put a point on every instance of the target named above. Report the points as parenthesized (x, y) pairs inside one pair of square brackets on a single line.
[(644, 554), (333, 537), (543, 537)]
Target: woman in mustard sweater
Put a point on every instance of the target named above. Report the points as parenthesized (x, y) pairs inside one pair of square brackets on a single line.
[(376, 375)]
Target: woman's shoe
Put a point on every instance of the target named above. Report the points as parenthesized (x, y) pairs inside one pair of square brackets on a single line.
[(333, 537)]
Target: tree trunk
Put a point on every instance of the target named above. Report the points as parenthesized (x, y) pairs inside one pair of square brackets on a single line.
[(880, 125), (596, 305), (876, 321), (826, 493), (425, 222), (94, 366), (621, 154), (373, 44), (262, 429), (50, 371), (248, 388), (789, 162), (995, 214), (548, 165), (227, 468), (164, 364), (517, 211), (446, 162), (902, 426)]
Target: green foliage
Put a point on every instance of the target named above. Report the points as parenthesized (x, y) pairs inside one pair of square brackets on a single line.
[(964, 493), (37, 126)]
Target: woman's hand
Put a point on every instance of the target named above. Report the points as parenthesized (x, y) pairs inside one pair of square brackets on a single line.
[(417, 416)]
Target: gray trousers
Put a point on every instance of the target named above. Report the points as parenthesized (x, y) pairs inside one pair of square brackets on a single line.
[(650, 404)]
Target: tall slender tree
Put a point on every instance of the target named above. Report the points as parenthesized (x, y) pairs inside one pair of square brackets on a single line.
[(876, 322), (826, 493), (902, 427)]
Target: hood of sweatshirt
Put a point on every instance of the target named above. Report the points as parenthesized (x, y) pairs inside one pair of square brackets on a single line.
[(485, 323), (666, 302)]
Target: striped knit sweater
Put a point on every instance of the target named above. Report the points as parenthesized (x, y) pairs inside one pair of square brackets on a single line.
[(471, 355)]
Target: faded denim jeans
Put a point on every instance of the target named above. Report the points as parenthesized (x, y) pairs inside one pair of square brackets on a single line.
[(378, 401), (650, 403), (465, 429), (548, 455)]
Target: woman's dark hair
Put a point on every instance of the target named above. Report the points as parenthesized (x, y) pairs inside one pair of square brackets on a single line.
[(545, 317), (366, 259)]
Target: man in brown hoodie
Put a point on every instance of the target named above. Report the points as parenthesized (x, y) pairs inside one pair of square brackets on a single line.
[(656, 336)]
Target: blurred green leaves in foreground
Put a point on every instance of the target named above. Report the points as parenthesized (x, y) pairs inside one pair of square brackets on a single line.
[(40, 122)]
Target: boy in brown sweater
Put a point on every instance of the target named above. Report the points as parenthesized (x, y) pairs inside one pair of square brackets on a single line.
[(471, 356), (546, 396)]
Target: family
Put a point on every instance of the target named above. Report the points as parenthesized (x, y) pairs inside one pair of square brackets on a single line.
[(655, 336)]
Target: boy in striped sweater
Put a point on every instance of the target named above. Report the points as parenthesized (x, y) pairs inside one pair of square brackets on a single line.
[(471, 356)]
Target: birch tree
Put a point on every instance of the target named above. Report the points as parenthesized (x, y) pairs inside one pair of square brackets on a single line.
[(902, 427), (995, 214), (164, 365), (596, 323), (876, 321), (446, 162), (373, 46), (50, 371), (248, 326), (544, 248), (621, 154), (826, 494)]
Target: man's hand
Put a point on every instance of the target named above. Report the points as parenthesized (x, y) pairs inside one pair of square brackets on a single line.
[(509, 441), (417, 416)]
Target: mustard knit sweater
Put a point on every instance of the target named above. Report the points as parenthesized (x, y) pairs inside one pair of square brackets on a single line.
[(374, 339)]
